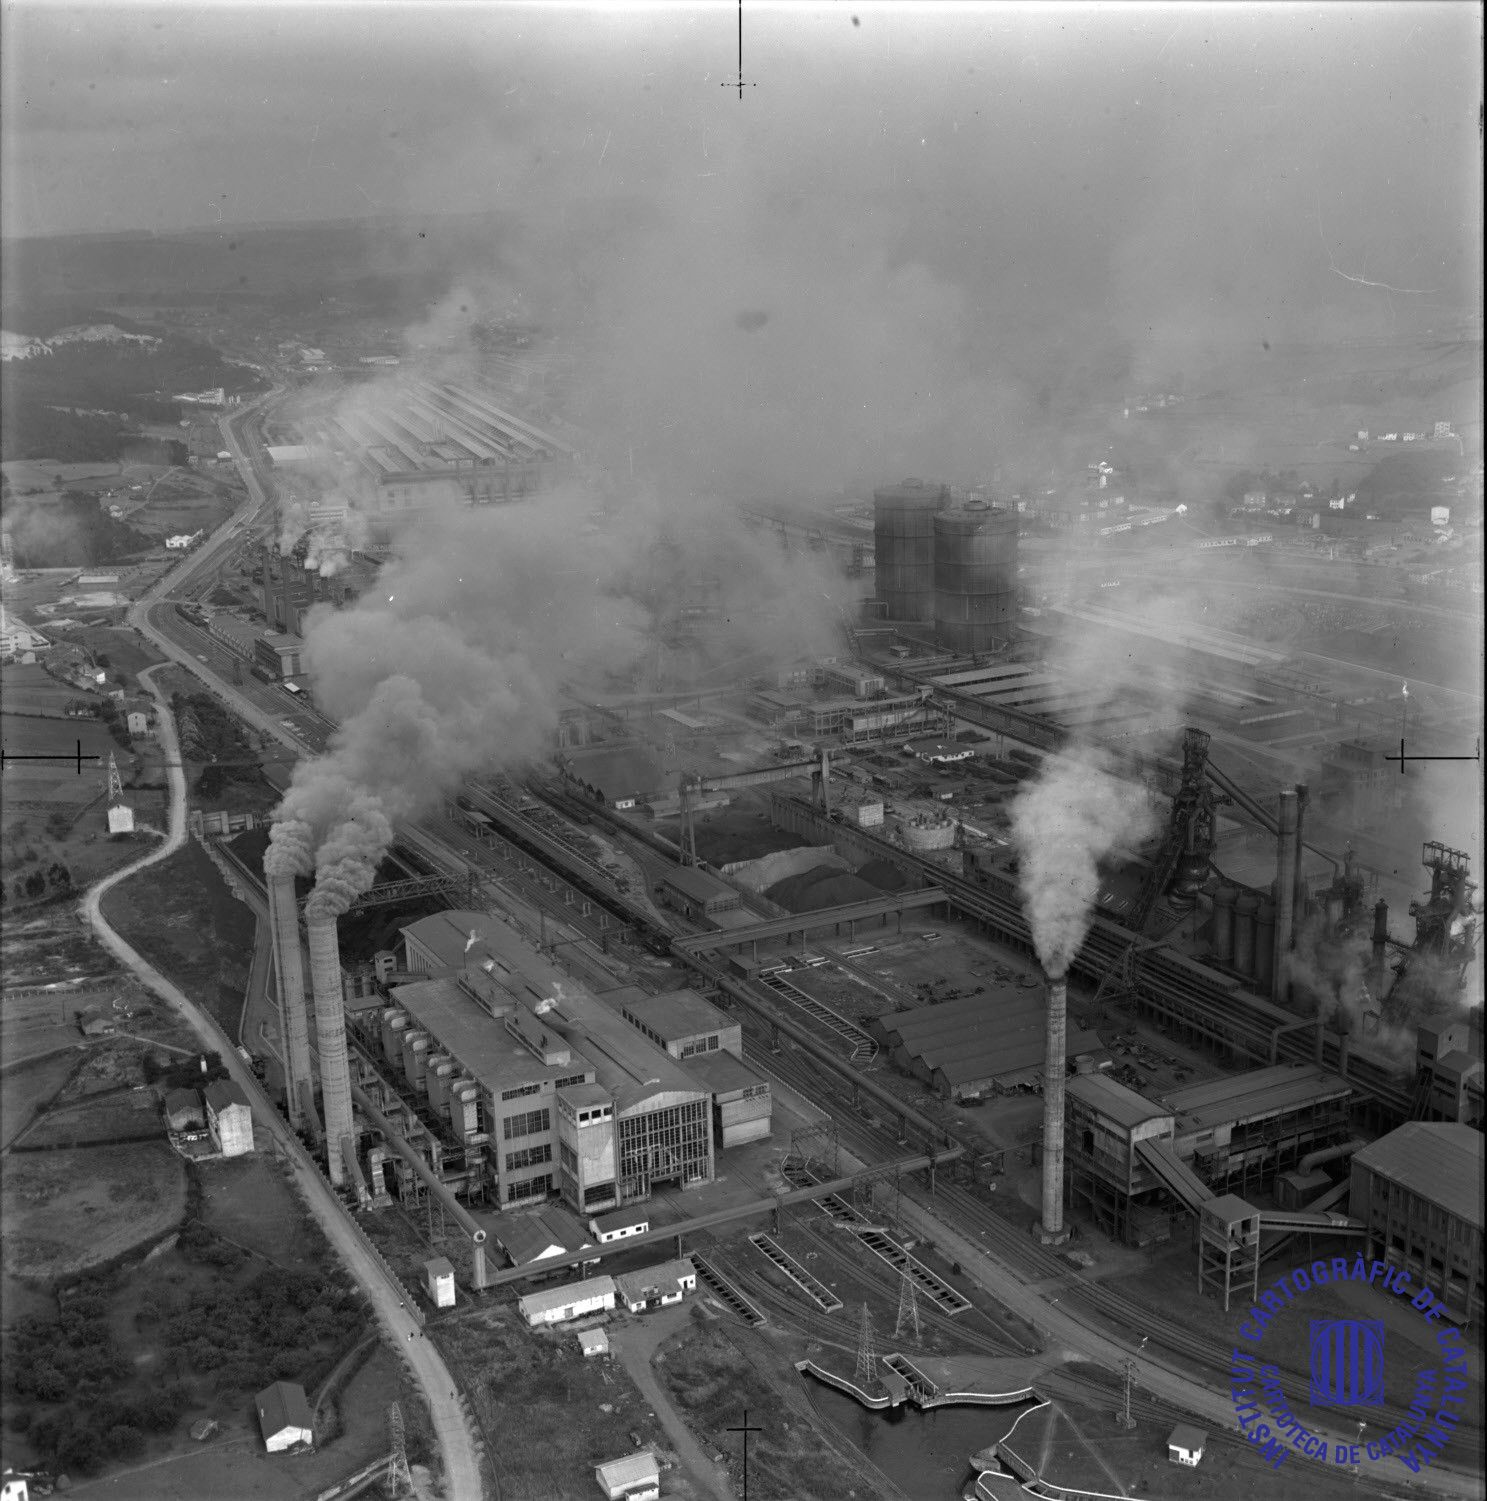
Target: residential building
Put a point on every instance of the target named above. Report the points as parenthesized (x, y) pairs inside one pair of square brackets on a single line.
[(284, 1417), (656, 1286), (636, 1477), (229, 1117)]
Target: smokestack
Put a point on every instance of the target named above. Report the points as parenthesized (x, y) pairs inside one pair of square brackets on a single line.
[(330, 1038), (268, 590), (1287, 846), (1381, 935), (1054, 1066), (294, 1023), (1298, 910)]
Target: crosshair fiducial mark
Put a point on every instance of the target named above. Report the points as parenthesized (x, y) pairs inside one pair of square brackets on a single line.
[(746, 1428), (6, 756), (1402, 758), (739, 81)]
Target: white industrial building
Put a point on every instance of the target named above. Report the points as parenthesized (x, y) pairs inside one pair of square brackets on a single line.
[(656, 1286), (620, 1225), (635, 1477), (229, 1118), (569, 1300), (440, 1275)]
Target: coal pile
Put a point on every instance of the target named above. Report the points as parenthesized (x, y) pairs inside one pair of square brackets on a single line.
[(825, 886)]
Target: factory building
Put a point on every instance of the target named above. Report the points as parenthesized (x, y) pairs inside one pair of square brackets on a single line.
[(429, 442), (620, 1225), (1449, 1077), (742, 1104), (681, 1021), (1419, 1192), (696, 894), (531, 1238), (1108, 1181), (279, 655), (572, 1098), (570, 1300)]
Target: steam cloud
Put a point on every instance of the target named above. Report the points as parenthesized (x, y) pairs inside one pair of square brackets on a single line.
[(1063, 823)]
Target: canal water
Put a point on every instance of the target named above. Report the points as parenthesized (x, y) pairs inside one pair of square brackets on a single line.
[(927, 1454)]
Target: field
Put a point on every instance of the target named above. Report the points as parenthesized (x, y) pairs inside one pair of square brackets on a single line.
[(31, 1086), (244, 1200), (180, 915), (65, 1211)]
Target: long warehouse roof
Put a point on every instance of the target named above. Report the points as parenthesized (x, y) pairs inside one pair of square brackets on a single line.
[(1441, 1161), (1013, 1056), (1260, 1092)]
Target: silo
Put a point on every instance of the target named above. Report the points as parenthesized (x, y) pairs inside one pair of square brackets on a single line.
[(1265, 940), (418, 1063), (1244, 933), (904, 547), (1223, 924), (975, 577)]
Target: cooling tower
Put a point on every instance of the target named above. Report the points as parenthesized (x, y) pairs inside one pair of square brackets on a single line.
[(904, 547), (975, 577), (1223, 924), (294, 1022), (1055, 1065), (330, 1040)]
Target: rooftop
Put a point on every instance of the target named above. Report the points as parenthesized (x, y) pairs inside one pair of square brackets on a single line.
[(721, 1072), (518, 966), (1260, 1092), (480, 1042), (1439, 1160), (677, 1013), (629, 1471), (224, 1092), (280, 641), (662, 1277), (623, 1219), (283, 1405), (1113, 1100), (545, 1299), (626, 1062), (1000, 1056), (697, 884)]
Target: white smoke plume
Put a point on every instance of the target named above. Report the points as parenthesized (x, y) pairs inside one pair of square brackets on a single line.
[(1064, 822)]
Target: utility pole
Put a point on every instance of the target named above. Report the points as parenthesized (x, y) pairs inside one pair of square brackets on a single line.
[(867, 1358)]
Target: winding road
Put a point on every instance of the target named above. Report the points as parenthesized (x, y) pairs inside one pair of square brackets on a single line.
[(401, 1325)]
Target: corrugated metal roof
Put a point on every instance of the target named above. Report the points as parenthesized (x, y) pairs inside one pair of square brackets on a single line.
[(1440, 1161), (676, 1014), (622, 1219), (545, 1299), (1010, 1056), (665, 1276), (1262, 1091), (631, 1470), (1113, 1100), (697, 884)]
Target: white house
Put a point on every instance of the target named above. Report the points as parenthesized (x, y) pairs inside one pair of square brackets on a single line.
[(636, 1477), (284, 1416), (656, 1286), (569, 1300), (593, 1342), (1185, 1444), (620, 1225), (440, 1274), (229, 1118)]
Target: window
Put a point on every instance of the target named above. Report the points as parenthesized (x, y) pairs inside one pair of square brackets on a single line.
[(528, 1157), (530, 1124), (531, 1188), (568, 1157), (712, 1043), (525, 1089), (564, 1083)]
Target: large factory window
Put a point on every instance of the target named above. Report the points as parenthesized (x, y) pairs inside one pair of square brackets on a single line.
[(528, 1157), (568, 1157), (532, 1188), (530, 1124)]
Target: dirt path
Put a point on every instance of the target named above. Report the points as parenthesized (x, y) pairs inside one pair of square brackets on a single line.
[(634, 1344), (452, 1432)]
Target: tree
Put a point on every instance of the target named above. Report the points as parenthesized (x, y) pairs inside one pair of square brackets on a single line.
[(35, 884), (58, 875)]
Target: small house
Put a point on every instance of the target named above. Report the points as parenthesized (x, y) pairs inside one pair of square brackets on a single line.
[(284, 1417), (593, 1342), (636, 1477), (1185, 1444), (656, 1286), (440, 1275), (229, 1118), (620, 1225), (183, 1111)]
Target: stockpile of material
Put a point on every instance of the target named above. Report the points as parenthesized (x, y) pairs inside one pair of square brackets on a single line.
[(826, 886)]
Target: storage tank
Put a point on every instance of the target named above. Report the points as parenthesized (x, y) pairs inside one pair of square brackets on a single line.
[(418, 1063), (393, 1033), (904, 547), (389, 1014), (975, 577), (440, 1076), (411, 1036), (1265, 940), (1223, 924), (1244, 933)]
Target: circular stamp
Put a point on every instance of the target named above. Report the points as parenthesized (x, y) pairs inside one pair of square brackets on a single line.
[(1348, 1361)]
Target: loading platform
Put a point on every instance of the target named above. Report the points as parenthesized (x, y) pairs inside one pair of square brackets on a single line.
[(815, 1290), (725, 1292), (939, 1292)]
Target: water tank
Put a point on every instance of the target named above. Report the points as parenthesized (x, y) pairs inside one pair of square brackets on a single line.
[(1244, 933), (904, 547), (975, 577), (393, 1033), (1223, 924), (1265, 941)]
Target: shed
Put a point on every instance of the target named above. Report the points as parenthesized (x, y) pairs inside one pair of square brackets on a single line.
[(620, 1225), (183, 1110), (696, 893), (440, 1275), (635, 1477), (1185, 1444), (570, 1300), (593, 1342), (284, 1416)]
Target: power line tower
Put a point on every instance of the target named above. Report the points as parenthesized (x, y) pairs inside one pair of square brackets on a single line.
[(115, 781), (908, 1311), (867, 1354), (399, 1480), (1123, 1417)]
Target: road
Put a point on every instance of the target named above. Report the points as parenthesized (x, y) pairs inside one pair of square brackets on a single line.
[(461, 1465)]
